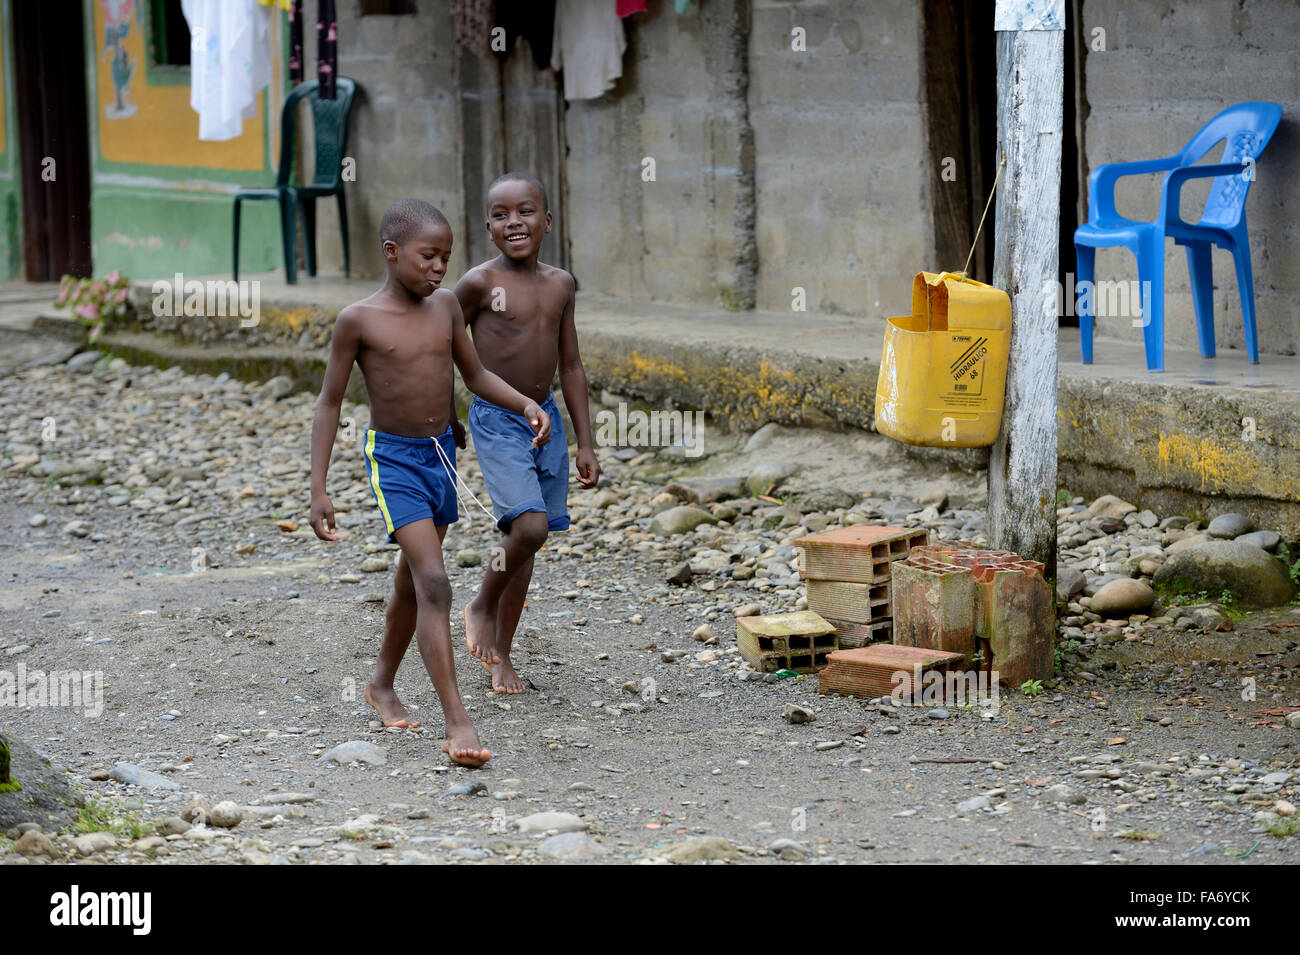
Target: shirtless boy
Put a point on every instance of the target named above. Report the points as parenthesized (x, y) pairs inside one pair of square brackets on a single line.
[(520, 311), (405, 337)]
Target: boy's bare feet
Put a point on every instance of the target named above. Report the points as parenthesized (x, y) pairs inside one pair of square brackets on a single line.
[(480, 632), (505, 679), (463, 746), (390, 709)]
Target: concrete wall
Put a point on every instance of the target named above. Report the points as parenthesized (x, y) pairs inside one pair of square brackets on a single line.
[(1166, 70), (774, 168), (405, 128)]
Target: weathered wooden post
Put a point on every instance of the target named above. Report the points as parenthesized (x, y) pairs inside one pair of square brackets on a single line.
[(1022, 465)]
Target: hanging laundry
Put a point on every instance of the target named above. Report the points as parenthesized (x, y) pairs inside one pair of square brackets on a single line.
[(295, 42), (230, 62), (628, 7), (534, 20), (472, 21), (327, 51), (588, 45)]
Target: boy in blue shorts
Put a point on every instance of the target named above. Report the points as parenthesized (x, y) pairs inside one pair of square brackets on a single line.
[(405, 338), (520, 312)]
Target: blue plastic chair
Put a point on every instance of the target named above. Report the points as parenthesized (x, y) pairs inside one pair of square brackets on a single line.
[(1246, 128), (330, 127)]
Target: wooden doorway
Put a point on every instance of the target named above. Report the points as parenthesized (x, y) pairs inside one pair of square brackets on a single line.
[(53, 138), (959, 98)]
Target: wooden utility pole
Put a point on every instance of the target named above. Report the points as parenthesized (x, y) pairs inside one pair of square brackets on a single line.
[(1022, 465)]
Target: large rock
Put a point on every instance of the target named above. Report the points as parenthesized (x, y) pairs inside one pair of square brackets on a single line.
[(706, 490), (769, 475), (1108, 505), (703, 849), (1069, 582), (1121, 598), (36, 791), (1253, 575), (680, 520), (1228, 526)]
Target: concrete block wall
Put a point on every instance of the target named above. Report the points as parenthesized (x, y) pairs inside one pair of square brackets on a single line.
[(405, 128), (837, 155), (1167, 69), (840, 146)]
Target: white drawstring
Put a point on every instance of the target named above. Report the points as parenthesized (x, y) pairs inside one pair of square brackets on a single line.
[(457, 483)]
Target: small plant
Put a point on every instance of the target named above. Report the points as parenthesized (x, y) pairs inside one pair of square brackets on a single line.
[(1227, 598), (1062, 497), (94, 302), (1032, 688), (1285, 826), (97, 816)]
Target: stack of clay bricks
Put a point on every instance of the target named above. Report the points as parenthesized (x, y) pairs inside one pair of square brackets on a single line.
[(847, 573), (992, 607)]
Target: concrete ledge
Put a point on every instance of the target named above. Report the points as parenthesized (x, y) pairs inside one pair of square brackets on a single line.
[(1203, 438)]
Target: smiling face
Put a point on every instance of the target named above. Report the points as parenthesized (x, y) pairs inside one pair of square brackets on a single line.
[(420, 263), (517, 218)]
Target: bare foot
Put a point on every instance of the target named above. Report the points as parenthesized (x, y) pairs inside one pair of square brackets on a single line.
[(389, 707), (505, 679), (463, 746), (480, 633)]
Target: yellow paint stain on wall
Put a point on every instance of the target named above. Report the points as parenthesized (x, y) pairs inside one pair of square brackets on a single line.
[(1219, 466), (155, 124)]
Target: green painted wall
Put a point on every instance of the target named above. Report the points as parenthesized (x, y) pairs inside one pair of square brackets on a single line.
[(11, 241)]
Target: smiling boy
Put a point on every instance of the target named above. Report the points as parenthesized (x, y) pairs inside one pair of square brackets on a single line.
[(520, 312), (405, 338)]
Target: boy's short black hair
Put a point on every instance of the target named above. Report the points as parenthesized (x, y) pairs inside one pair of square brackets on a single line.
[(405, 217), (523, 177)]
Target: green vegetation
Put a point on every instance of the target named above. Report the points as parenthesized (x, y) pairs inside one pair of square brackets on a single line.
[(1285, 826), (1062, 497), (1291, 561), (97, 816), (1032, 688)]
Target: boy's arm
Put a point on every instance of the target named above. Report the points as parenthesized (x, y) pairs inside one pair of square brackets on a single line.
[(344, 346), (469, 292), (487, 385), (573, 382)]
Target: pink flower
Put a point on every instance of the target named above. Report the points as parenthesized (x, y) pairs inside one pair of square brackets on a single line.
[(120, 296), (113, 277), (87, 311), (61, 299)]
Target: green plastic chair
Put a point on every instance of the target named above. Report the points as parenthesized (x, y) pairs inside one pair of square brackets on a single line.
[(330, 123)]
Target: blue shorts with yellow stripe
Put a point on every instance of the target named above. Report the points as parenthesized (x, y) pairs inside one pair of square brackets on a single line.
[(409, 480)]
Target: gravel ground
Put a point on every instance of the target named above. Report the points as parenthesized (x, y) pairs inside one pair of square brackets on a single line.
[(153, 531)]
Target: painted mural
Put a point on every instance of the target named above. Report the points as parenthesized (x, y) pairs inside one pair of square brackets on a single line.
[(143, 122)]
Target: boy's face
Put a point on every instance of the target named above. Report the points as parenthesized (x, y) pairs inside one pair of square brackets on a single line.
[(420, 262), (517, 220)]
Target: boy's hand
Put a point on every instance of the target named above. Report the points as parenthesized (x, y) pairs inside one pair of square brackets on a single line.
[(540, 421), (458, 433), (322, 518), (588, 467)]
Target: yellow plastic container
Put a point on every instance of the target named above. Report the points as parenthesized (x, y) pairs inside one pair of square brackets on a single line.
[(943, 373)]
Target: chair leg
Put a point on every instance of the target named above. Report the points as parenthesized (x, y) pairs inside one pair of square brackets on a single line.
[(235, 256), (343, 225), (1200, 271), (309, 233), (289, 235), (1246, 288), (1151, 276), (1085, 257)]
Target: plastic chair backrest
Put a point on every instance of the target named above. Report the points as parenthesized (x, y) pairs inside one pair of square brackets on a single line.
[(1246, 128), (329, 127)]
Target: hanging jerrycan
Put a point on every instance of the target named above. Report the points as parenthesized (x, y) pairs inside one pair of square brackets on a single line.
[(944, 368)]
